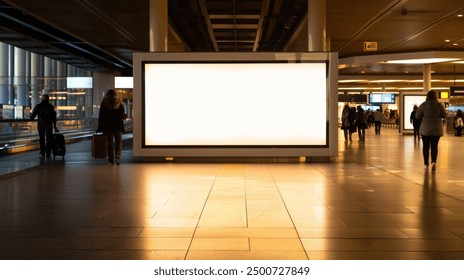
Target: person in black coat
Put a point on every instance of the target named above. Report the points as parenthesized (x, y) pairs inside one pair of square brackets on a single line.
[(110, 122), (46, 115), (458, 123), (361, 123), (415, 123)]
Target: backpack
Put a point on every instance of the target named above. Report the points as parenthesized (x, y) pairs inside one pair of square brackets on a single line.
[(458, 122)]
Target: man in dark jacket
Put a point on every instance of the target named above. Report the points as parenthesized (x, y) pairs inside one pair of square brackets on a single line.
[(46, 114)]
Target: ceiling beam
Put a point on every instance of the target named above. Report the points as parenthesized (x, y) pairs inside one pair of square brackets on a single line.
[(207, 17)]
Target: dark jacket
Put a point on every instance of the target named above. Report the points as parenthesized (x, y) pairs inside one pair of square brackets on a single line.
[(361, 120), (111, 115), (414, 121), (45, 113)]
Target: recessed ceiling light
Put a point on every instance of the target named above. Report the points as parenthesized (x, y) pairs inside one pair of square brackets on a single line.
[(421, 61), (455, 44), (447, 40), (460, 15)]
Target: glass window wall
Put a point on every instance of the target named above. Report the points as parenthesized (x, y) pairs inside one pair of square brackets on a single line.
[(25, 76)]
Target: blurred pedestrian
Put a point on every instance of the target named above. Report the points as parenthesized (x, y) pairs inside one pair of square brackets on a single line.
[(431, 114), (110, 122)]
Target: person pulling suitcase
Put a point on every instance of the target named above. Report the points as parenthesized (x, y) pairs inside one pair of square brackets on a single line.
[(46, 115)]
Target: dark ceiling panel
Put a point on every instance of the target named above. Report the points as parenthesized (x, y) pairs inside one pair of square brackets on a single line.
[(102, 34)]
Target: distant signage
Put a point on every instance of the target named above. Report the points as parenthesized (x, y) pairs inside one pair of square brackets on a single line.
[(355, 98), (123, 82), (382, 97), (456, 91), (79, 82), (370, 46)]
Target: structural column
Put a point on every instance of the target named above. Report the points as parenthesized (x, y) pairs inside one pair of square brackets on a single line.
[(71, 71), (317, 25), (49, 76), (427, 76), (36, 73), (88, 97), (22, 96), (4, 73), (61, 89), (158, 25)]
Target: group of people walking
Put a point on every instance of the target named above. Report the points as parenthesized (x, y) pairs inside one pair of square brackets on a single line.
[(110, 123), (427, 120), (355, 120)]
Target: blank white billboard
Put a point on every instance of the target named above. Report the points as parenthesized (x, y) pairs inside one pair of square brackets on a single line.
[(123, 82), (235, 104), (409, 101), (79, 82)]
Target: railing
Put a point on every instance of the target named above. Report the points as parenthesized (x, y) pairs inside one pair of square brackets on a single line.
[(22, 127), (22, 135)]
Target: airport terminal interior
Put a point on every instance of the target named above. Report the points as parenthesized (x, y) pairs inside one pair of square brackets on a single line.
[(354, 200), (374, 200)]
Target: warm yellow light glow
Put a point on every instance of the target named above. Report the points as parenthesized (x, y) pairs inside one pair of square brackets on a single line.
[(67, 93), (66, 108), (421, 60), (355, 88), (353, 81), (386, 81)]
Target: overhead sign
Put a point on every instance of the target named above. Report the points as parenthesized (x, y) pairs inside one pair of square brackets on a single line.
[(456, 91), (370, 46)]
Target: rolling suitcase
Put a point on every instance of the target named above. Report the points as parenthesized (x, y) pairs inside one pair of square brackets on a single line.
[(58, 146), (99, 145)]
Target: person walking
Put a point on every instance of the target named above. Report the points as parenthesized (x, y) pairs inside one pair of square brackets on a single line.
[(458, 123), (378, 116), (431, 114), (46, 122), (415, 123), (347, 123), (361, 123), (110, 122)]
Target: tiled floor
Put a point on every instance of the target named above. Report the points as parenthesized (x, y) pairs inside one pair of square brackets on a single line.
[(373, 201)]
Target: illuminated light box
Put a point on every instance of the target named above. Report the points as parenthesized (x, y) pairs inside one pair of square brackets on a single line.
[(123, 82), (409, 100), (79, 82), (382, 97), (226, 104), (375, 98), (234, 105)]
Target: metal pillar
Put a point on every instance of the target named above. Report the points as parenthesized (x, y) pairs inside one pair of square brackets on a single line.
[(71, 71), (4, 73), (19, 82), (61, 87), (36, 73)]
